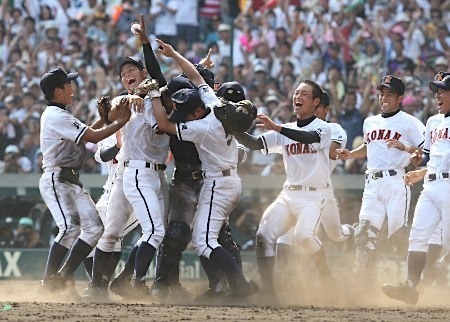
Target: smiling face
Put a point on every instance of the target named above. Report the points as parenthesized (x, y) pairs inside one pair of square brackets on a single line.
[(131, 76), (303, 102), (389, 100), (442, 97)]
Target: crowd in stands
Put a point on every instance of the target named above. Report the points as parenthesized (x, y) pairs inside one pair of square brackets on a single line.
[(267, 46)]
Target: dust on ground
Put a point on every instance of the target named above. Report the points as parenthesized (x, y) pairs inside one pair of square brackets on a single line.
[(24, 301)]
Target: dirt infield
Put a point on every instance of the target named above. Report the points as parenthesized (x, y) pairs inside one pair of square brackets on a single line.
[(21, 301)]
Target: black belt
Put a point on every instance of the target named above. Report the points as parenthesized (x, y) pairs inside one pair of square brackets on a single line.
[(156, 167), (380, 174), (301, 187), (434, 176)]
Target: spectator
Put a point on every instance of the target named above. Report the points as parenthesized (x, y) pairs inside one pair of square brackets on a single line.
[(187, 20), (164, 12), (13, 162), (350, 118), (26, 235)]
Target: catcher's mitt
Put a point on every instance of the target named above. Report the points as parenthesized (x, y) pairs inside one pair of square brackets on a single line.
[(103, 108), (236, 117), (146, 86)]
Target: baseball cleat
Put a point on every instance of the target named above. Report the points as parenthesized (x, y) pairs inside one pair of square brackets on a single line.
[(404, 292), (209, 297), (159, 290), (96, 294), (120, 285)]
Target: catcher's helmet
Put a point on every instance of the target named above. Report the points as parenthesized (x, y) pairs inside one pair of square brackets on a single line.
[(236, 117)]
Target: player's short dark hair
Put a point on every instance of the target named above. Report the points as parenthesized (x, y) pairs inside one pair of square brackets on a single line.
[(317, 90)]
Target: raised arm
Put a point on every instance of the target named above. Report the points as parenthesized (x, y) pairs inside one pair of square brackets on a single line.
[(151, 63), (186, 66)]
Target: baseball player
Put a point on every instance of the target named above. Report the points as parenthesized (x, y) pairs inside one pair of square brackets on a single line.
[(62, 140), (433, 204), (330, 218), (184, 189), (218, 155), (108, 152), (183, 199), (304, 145), (389, 139), (144, 150)]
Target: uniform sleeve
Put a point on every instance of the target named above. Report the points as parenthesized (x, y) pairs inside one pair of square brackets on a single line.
[(192, 131), (271, 142), (325, 138), (416, 133), (427, 143), (103, 145), (69, 127), (338, 135), (208, 97)]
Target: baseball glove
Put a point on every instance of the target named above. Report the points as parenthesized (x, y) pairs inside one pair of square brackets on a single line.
[(146, 86), (236, 117), (103, 108)]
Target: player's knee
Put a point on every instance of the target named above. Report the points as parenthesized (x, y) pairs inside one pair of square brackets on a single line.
[(417, 243), (307, 244), (177, 237), (366, 235)]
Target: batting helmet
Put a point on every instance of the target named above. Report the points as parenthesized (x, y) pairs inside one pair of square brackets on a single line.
[(236, 117)]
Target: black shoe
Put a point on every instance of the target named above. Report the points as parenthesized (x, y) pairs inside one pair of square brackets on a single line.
[(120, 285), (139, 291), (243, 290), (159, 290), (96, 293), (210, 297), (404, 292), (53, 284), (180, 293), (68, 290)]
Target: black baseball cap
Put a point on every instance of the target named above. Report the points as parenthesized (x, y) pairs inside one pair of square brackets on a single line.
[(178, 82), (441, 81), (122, 60), (231, 91), (186, 100), (394, 83), (325, 99), (55, 78)]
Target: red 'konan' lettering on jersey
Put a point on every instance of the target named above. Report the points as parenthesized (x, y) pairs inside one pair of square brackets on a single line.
[(439, 134), (381, 134), (298, 148)]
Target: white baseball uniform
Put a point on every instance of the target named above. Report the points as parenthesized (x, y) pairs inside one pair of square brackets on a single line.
[(102, 203), (146, 152), (221, 188), (385, 192), (330, 217), (433, 204), (301, 201), (70, 205)]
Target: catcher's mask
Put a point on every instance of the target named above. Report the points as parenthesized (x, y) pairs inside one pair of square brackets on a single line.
[(236, 117)]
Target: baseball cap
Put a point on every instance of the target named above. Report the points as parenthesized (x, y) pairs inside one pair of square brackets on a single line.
[(231, 91), (26, 221), (54, 78), (178, 82), (186, 102), (271, 98), (122, 60), (441, 81), (392, 82), (441, 61), (12, 149), (325, 99), (223, 27)]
